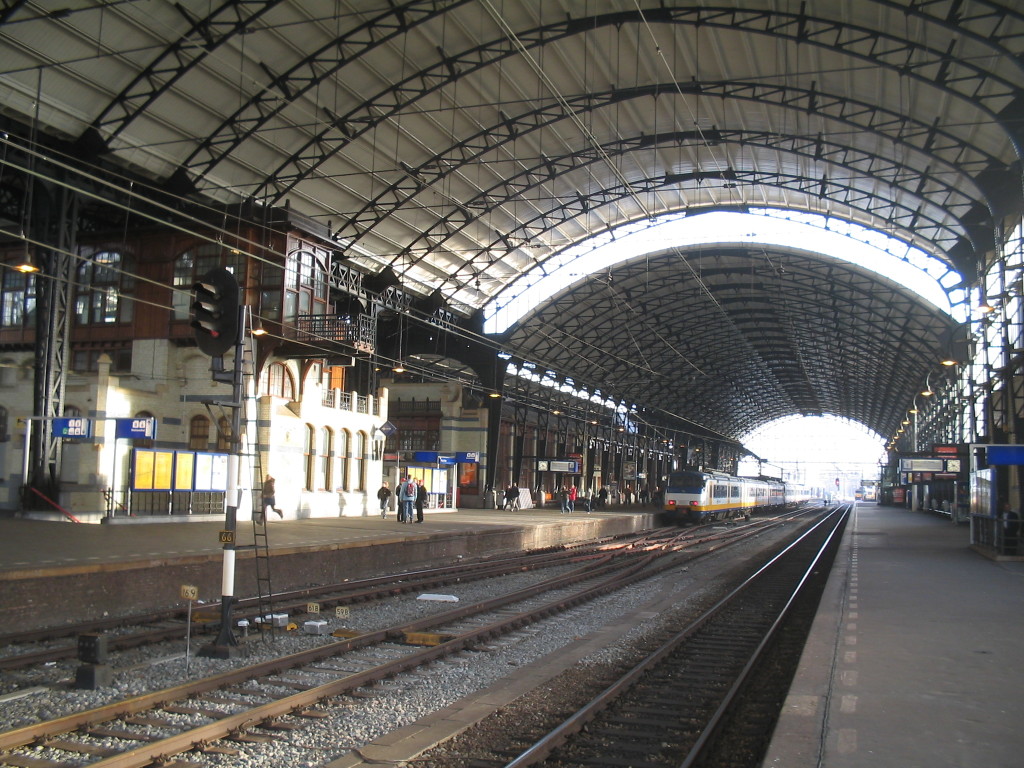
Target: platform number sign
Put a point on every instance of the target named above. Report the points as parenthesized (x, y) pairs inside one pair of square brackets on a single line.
[(312, 607), (189, 592), (341, 612), (227, 537)]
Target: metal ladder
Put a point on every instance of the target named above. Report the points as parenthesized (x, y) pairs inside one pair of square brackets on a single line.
[(260, 545)]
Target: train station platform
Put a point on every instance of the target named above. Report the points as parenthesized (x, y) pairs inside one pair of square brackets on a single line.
[(53, 573), (915, 657)]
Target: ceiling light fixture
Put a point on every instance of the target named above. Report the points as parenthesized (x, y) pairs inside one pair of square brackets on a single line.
[(28, 265)]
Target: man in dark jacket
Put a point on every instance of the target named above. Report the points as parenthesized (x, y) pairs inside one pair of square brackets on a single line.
[(421, 499), (383, 495)]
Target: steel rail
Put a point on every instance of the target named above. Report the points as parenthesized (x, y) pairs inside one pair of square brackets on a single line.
[(363, 590), (636, 566), (542, 748)]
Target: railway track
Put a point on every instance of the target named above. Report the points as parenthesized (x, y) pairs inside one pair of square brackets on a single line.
[(674, 707), (125, 633), (214, 713)]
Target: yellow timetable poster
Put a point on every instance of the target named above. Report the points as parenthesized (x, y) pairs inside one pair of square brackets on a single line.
[(162, 471), (143, 470), (184, 471)]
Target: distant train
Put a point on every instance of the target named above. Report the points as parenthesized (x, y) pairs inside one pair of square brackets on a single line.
[(693, 496)]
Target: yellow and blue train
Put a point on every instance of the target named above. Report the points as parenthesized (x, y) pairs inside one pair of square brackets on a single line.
[(693, 496)]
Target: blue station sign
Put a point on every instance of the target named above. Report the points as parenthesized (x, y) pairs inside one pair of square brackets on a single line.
[(446, 459), (433, 457), (71, 427), (136, 428)]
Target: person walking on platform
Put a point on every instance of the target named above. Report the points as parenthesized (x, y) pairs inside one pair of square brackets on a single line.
[(571, 502), (406, 498), (509, 500), (384, 495), (563, 499), (587, 497), (269, 499), (421, 499), (515, 497), (602, 497)]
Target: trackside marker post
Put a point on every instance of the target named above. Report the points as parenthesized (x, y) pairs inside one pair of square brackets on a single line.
[(190, 594)]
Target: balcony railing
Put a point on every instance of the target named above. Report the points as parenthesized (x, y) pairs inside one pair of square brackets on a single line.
[(356, 331), (337, 398)]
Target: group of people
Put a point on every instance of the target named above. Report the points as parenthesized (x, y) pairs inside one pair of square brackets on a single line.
[(411, 494), (568, 496), (511, 500)]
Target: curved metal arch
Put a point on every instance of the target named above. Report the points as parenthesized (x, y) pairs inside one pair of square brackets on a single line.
[(960, 20), (805, 270), (816, 149), (547, 168), (204, 36), (836, 282), (897, 56), (704, 325), (608, 367), (305, 75), (771, 387), (899, 129)]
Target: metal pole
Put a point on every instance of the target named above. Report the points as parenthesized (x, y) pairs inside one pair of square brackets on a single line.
[(226, 644)]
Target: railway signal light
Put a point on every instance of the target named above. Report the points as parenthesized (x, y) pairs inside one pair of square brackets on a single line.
[(215, 312)]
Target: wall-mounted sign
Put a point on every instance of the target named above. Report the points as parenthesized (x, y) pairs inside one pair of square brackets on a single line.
[(922, 465), (136, 428), (572, 467), (468, 457), (434, 457), (1012, 455)]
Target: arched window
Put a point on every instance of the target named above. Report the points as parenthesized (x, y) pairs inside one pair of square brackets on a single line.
[(277, 380), (199, 434), (103, 282), (358, 463), (341, 451), (196, 262), (310, 457), (326, 448)]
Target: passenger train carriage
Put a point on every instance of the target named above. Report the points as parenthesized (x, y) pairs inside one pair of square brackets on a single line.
[(693, 496)]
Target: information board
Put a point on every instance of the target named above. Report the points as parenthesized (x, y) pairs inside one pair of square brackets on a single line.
[(156, 470)]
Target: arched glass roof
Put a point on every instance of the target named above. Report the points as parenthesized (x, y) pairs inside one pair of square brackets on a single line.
[(907, 265)]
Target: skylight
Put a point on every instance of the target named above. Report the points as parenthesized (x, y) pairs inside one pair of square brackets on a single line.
[(911, 267)]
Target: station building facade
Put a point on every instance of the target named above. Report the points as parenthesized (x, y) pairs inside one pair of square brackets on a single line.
[(102, 334)]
